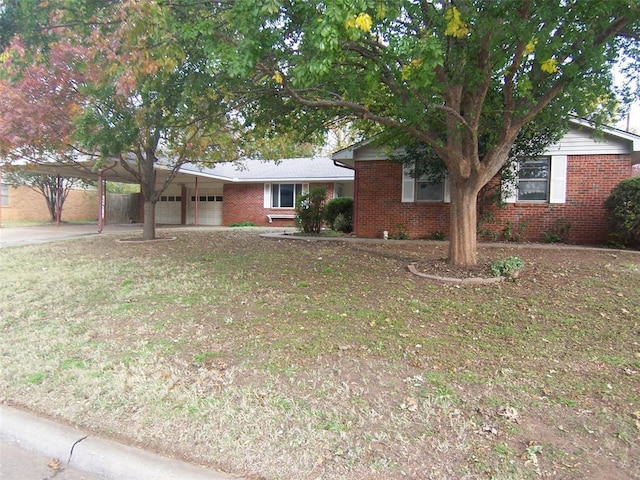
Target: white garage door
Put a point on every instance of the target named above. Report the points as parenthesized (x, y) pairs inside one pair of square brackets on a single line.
[(209, 209), (168, 210)]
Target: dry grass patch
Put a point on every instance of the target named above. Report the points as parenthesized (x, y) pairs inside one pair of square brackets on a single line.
[(288, 359)]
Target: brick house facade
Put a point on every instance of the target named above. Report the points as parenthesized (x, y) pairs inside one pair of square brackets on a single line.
[(575, 177), (228, 193), (248, 202), (256, 191)]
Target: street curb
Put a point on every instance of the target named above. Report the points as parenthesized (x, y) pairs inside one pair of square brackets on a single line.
[(106, 458)]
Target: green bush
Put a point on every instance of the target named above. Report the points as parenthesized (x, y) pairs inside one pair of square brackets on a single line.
[(509, 233), (343, 224), (508, 267), (245, 223), (623, 206), (559, 231), (310, 210), (399, 231), (339, 206)]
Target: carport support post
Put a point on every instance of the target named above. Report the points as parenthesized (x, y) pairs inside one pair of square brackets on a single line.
[(183, 204), (100, 201), (195, 217)]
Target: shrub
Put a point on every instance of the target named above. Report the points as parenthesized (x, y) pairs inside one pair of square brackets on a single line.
[(511, 235), (242, 224), (509, 267), (343, 223), (623, 206), (310, 210), (399, 232), (559, 231), (336, 207)]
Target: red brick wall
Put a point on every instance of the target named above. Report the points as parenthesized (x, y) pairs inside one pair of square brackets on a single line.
[(589, 181), (27, 205), (245, 203), (378, 207)]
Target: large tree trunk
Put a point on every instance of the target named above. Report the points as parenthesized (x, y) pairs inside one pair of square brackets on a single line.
[(462, 234), (149, 226)]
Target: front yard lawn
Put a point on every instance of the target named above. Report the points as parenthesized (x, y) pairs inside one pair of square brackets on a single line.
[(295, 359)]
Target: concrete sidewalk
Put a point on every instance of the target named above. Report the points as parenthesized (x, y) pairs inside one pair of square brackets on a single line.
[(28, 443), (16, 463)]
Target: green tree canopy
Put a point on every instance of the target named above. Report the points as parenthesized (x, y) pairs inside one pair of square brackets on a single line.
[(464, 77), (146, 88)]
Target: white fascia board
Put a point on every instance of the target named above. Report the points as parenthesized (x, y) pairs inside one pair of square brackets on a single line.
[(632, 137), (344, 154), (294, 180), (264, 179), (349, 153), (196, 173)]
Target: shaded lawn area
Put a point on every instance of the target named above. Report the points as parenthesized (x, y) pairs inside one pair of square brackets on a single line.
[(296, 359)]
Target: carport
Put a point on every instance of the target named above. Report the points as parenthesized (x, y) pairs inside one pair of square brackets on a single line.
[(193, 197)]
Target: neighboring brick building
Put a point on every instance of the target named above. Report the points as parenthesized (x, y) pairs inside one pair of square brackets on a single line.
[(23, 204), (563, 189)]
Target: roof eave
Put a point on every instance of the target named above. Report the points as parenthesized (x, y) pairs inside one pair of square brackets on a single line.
[(292, 180)]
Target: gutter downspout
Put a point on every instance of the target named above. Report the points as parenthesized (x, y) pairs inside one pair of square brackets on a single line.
[(342, 165), (355, 192)]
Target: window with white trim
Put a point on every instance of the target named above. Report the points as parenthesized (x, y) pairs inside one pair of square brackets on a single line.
[(283, 195), (533, 179), (428, 187), (4, 195), (429, 191)]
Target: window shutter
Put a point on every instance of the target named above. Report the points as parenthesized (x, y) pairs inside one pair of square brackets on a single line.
[(558, 182), (509, 187), (408, 186), (447, 191), (267, 195), (305, 188)]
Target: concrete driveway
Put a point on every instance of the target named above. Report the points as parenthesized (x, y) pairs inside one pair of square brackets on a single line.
[(49, 233)]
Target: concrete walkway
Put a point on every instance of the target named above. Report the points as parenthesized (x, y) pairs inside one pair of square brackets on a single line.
[(17, 463)]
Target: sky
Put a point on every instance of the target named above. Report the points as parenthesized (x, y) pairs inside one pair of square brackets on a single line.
[(634, 120)]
